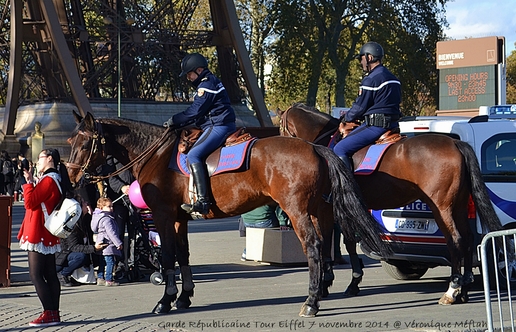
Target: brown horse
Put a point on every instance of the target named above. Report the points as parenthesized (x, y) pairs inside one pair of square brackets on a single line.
[(291, 172), (438, 170)]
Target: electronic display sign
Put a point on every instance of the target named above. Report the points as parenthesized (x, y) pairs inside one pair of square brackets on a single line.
[(471, 73), (467, 87)]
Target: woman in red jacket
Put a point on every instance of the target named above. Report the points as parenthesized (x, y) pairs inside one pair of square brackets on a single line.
[(34, 237)]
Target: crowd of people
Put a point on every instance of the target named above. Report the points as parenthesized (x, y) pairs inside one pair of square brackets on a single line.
[(11, 174)]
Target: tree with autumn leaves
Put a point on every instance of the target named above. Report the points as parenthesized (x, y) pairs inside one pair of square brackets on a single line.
[(511, 78)]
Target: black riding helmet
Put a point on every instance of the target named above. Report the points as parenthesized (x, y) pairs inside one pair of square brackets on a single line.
[(191, 62), (372, 48)]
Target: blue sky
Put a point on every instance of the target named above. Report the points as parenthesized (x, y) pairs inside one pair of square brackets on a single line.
[(482, 18)]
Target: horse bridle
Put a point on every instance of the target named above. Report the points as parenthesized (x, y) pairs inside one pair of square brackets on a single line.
[(99, 142), (284, 124), (284, 128)]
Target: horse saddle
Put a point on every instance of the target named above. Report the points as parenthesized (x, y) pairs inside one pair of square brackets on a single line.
[(233, 155), (371, 155)]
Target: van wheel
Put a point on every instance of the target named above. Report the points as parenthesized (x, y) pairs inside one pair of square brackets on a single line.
[(403, 270)]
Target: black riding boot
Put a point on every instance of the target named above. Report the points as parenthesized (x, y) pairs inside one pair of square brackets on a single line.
[(201, 181), (348, 162)]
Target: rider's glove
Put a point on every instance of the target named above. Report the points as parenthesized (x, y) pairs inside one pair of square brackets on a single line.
[(168, 123)]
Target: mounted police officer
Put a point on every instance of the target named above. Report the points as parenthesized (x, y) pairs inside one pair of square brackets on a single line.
[(378, 104), (211, 111)]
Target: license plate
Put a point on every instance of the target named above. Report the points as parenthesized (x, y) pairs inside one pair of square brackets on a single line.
[(412, 225)]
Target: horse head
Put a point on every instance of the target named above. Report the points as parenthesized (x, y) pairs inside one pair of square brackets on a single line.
[(307, 122), (86, 141), (131, 142)]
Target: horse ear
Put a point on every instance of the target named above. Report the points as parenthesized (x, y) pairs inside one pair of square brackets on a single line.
[(89, 121), (77, 117), (279, 112)]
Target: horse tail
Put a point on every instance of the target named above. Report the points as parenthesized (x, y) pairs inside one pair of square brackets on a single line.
[(349, 209), (484, 208)]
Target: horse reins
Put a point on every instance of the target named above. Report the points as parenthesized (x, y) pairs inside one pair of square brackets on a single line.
[(284, 128), (98, 138), (284, 124)]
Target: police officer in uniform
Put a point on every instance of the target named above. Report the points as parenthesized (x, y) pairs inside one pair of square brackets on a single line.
[(378, 104), (211, 111)]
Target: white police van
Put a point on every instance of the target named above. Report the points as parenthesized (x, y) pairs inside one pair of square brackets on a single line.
[(493, 137)]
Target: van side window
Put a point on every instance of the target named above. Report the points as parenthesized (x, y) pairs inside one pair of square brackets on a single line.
[(506, 156), (499, 155)]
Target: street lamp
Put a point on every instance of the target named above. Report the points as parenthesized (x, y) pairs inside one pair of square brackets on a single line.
[(130, 21), (119, 76)]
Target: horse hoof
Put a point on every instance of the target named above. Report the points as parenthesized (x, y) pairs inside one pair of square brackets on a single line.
[(308, 311), (161, 308), (446, 300), (351, 291), (182, 304), (463, 298), (353, 288)]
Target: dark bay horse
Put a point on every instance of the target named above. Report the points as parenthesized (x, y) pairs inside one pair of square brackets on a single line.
[(291, 172), (438, 170)]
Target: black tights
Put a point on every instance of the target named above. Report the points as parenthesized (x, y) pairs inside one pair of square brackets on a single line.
[(42, 271)]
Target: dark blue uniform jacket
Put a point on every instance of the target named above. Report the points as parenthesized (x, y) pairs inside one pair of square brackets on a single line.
[(380, 92), (211, 105)]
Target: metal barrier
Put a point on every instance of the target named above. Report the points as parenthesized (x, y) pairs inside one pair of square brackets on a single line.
[(504, 258)]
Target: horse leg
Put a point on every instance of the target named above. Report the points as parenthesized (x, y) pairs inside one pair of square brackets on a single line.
[(459, 241), (168, 256), (183, 253), (468, 279), (454, 287), (312, 247), (356, 267), (328, 275)]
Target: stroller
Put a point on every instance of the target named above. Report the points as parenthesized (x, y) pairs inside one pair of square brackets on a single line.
[(147, 247)]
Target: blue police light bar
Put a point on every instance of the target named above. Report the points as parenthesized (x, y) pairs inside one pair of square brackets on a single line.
[(502, 111)]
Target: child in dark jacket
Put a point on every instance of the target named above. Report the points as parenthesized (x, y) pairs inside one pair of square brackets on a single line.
[(77, 248), (103, 223)]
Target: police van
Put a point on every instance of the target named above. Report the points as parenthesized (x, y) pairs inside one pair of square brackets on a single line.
[(421, 245)]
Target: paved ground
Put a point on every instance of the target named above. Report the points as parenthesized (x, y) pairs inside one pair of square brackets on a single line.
[(231, 295)]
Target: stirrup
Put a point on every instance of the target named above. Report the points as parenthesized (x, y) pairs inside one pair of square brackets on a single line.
[(202, 207)]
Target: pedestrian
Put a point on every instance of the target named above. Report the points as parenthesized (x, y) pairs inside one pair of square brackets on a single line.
[(78, 247), (8, 169), (117, 190), (266, 216), (104, 225), (41, 246)]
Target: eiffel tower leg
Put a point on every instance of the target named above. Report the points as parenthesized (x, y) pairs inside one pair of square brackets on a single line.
[(225, 19), (65, 59), (15, 68)]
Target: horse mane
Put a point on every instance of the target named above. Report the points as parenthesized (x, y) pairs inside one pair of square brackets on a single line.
[(138, 134)]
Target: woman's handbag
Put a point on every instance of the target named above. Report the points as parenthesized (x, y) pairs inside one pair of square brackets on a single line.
[(61, 221), (85, 275)]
